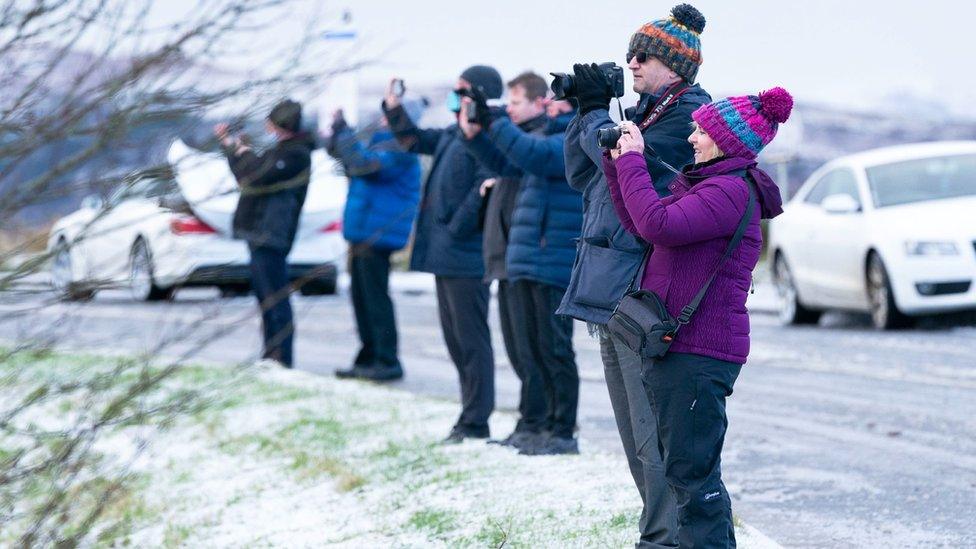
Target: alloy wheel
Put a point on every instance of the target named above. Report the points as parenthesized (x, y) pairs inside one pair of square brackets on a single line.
[(878, 293), (785, 291), (61, 270), (140, 272)]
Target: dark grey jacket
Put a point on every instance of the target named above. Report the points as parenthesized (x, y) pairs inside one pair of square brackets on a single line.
[(498, 207), (607, 256), (273, 187)]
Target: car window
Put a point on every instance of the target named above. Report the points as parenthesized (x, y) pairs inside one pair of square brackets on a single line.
[(161, 187), (839, 181), (922, 179), (128, 190), (144, 188), (818, 193)]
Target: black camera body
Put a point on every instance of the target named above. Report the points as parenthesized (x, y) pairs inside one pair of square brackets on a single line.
[(564, 85), (607, 138), (475, 110)]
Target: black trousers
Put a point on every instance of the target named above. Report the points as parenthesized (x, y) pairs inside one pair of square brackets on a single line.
[(369, 271), (687, 393), (533, 406), (463, 307), (269, 280), (551, 343)]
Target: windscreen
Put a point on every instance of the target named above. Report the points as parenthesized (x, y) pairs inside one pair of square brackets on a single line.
[(923, 179)]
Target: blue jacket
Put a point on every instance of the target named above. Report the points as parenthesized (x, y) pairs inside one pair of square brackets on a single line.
[(608, 257), (447, 235), (548, 212), (384, 189)]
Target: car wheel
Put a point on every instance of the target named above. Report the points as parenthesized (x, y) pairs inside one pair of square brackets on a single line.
[(142, 283), (320, 286), (884, 310), (62, 275), (791, 311)]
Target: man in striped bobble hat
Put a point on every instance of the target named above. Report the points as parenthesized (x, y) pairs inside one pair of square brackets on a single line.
[(663, 56)]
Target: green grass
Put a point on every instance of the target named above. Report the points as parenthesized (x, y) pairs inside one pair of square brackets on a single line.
[(436, 522), (373, 447), (309, 444), (494, 532)]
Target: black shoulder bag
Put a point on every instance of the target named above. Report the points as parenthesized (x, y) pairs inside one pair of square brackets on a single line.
[(642, 321)]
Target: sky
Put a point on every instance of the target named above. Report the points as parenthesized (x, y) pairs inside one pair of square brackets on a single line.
[(862, 54)]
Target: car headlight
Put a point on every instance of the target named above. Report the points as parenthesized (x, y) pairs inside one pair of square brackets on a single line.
[(931, 247)]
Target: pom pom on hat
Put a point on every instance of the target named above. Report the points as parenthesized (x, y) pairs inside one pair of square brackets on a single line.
[(689, 16), (777, 104)]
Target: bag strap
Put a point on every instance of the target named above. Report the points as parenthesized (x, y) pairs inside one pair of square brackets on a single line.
[(635, 282), (655, 111), (740, 231)]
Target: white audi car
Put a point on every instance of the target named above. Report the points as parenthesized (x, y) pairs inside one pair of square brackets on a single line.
[(891, 232), (172, 230)]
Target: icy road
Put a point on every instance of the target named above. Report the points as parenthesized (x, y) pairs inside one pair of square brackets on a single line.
[(839, 435)]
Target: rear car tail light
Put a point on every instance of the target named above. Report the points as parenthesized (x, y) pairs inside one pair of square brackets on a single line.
[(188, 224), (334, 227)]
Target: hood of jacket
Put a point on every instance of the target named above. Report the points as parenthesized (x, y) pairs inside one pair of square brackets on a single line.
[(769, 196)]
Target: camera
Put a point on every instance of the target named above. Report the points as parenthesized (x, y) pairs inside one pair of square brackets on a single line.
[(475, 110), (564, 85), (608, 137)]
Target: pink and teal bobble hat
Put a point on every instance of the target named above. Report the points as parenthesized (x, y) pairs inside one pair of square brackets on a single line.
[(741, 126)]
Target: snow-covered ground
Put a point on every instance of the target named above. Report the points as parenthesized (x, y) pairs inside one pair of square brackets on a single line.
[(290, 459), (840, 436)]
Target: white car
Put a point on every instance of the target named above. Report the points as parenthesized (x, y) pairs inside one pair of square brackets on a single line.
[(172, 230), (890, 231)]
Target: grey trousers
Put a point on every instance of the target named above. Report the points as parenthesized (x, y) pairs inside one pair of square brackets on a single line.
[(638, 433)]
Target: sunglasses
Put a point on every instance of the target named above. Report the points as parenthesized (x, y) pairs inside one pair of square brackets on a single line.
[(642, 56)]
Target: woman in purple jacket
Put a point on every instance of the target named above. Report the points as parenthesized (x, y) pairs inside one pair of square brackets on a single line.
[(690, 231)]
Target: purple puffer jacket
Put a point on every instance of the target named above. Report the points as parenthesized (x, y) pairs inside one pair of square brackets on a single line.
[(690, 231)]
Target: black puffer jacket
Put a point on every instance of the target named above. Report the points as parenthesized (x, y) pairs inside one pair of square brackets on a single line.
[(273, 187)]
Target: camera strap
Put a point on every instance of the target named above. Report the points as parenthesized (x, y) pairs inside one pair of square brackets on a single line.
[(663, 103)]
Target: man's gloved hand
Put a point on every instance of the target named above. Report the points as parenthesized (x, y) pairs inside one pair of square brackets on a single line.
[(592, 88), (485, 114)]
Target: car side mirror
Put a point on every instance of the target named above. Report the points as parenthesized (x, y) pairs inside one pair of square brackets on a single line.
[(840, 204), (92, 202)]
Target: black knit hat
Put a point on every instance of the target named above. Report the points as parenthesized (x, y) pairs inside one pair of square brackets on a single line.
[(287, 115), (486, 78)]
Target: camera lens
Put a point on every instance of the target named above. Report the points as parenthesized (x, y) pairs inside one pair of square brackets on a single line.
[(563, 85), (608, 137)]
